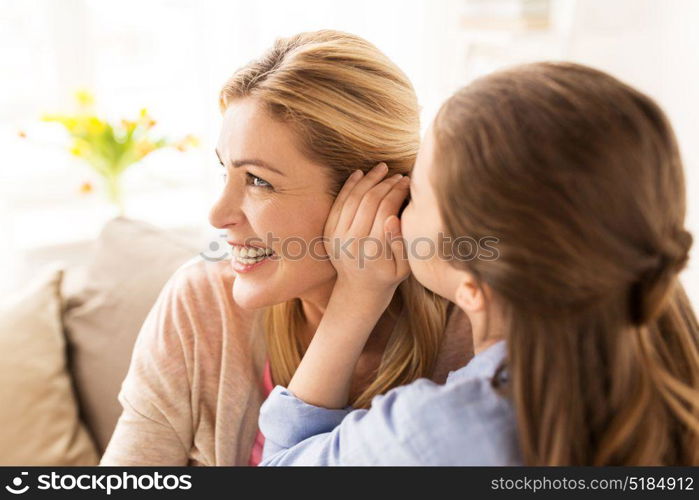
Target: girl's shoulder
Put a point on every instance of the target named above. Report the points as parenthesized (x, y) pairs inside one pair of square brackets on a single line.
[(464, 421)]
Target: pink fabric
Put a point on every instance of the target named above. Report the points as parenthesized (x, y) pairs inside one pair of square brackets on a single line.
[(267, 386)]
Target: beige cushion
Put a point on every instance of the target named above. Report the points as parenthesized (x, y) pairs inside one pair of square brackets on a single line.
[(39, 421), (106, 304)]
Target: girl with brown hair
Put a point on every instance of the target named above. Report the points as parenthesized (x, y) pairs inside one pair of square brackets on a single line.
[(587, 349)]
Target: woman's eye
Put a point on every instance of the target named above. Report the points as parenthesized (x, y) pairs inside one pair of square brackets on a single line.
[(258, 181), (253, 180)]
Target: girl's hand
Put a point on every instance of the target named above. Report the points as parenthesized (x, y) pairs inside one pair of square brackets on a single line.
[(362, 233), (363, 240)]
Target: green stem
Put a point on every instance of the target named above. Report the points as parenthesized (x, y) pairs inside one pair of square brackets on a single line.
[(114, 192)]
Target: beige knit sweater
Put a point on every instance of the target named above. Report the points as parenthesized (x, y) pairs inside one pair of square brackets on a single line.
[(193, 390)]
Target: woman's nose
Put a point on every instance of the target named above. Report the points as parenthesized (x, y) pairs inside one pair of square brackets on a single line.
[(226, 211)]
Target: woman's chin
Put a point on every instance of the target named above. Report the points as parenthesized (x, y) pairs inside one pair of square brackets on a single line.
[(251, 296)]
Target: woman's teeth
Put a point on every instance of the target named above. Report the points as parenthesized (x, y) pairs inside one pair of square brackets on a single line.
[(250, 255)]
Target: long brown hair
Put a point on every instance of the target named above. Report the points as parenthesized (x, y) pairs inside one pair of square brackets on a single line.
[(351, 107), (579, 177)]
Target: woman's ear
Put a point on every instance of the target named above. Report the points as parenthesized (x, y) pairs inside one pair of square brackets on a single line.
[(469, 296)]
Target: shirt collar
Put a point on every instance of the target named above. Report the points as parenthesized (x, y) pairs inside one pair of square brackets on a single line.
[(482, 365)]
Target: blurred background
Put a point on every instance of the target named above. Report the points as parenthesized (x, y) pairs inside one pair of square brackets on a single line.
[(148, 72)]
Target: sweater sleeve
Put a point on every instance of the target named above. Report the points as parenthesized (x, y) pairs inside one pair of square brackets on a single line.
[(155, 426)]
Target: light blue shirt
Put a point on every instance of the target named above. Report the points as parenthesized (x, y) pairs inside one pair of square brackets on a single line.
[(463, 422)]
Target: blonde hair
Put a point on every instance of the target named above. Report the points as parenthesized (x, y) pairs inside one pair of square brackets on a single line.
[(351, 108)]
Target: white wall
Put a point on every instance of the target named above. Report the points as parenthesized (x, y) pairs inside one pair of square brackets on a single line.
[(653, 45)]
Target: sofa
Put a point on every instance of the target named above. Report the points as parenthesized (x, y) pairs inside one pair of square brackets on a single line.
[(66, 337)]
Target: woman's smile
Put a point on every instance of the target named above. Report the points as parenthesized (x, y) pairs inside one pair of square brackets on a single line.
[(248, 258)]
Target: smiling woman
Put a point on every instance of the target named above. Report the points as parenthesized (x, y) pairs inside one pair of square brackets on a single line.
[(296, 123), (321, 105)]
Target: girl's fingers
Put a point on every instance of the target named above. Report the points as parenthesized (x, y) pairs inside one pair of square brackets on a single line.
[(354, 198), (336, 210), (390, 205), (395, 241), (365, 217)]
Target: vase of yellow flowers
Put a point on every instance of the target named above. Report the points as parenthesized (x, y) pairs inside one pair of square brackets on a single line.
[(111, 148)]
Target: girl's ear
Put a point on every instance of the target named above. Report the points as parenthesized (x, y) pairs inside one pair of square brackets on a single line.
[(469, 295)]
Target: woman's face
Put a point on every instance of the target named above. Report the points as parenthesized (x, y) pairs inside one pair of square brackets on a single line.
[(421, 225), (274, 200)]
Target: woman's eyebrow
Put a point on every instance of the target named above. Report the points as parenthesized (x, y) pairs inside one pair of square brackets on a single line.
[(251, 161)]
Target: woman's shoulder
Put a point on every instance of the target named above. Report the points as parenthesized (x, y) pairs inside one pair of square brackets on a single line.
[(191, 362), (203, 284), (199, 276), (198, 300)]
